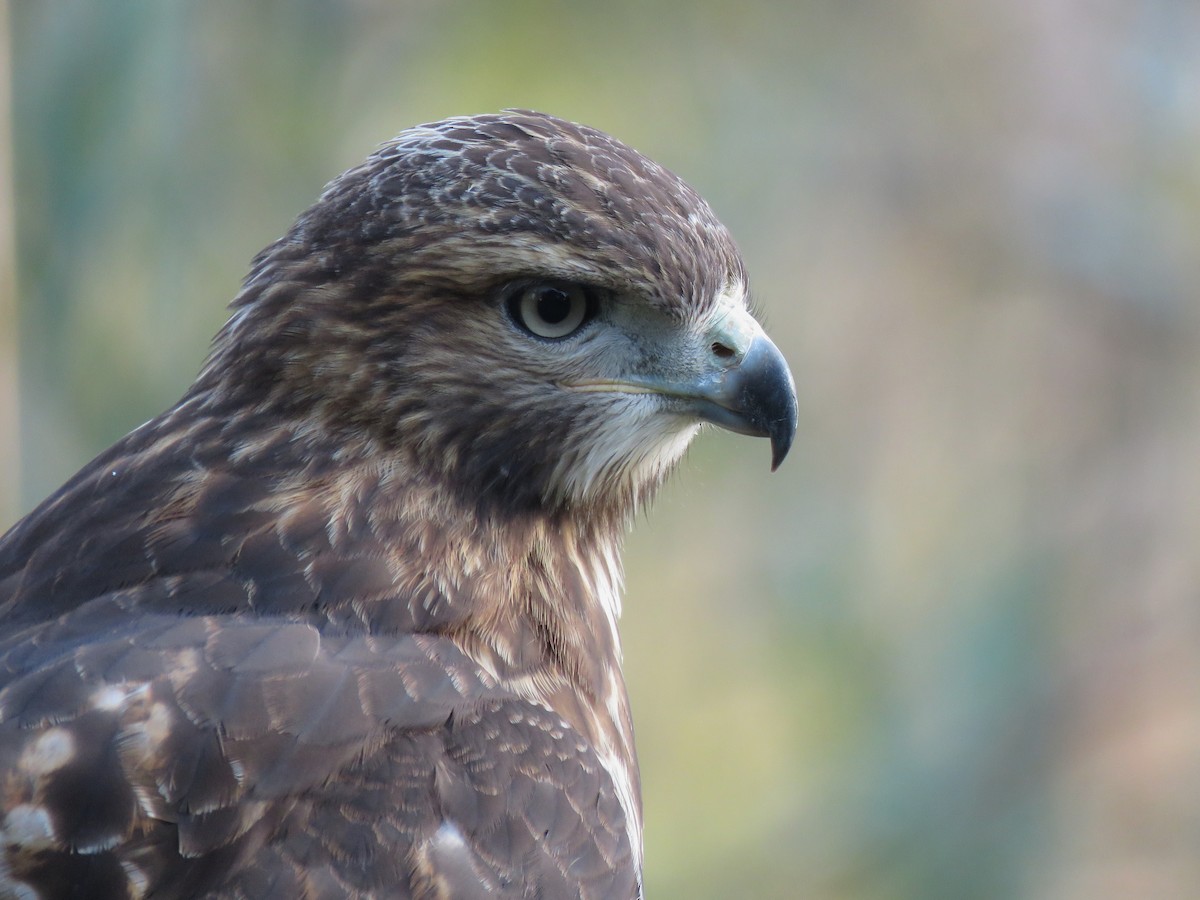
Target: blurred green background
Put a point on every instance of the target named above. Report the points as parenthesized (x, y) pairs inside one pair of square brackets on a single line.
[(952, 648)]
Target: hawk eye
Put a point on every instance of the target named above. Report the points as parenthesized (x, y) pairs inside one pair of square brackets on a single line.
[(551, 310)]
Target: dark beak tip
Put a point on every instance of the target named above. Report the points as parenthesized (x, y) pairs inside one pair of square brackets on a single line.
[(778, 407), (782, 432), (778, 452)]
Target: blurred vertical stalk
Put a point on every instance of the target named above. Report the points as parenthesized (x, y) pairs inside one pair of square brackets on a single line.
[(10, 445)]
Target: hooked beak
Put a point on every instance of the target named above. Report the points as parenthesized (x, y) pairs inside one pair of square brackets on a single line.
[(754, 396), (747, 387), (737, 379)]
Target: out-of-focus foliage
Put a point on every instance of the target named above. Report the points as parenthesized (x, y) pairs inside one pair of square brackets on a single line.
[(952, 649)]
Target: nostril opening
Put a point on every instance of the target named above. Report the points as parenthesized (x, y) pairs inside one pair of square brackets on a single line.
[(721, 351)]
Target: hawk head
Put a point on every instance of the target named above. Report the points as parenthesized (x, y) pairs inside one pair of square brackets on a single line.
[(523, 308)]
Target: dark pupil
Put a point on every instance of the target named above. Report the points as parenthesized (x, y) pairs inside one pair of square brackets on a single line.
[(553, 305)]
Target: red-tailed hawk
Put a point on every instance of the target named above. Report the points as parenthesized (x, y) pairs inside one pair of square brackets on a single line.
[(343, 621)]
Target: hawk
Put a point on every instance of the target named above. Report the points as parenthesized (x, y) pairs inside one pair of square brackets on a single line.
[(343, 621)]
